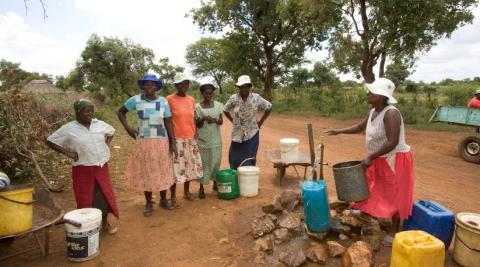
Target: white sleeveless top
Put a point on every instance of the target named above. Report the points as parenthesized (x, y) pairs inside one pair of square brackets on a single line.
[(376, 136)]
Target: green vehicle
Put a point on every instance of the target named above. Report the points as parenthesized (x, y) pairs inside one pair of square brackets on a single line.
[(469, 147)]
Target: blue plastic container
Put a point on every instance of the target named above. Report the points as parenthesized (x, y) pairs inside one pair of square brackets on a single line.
[(432, 218), (315, 203)]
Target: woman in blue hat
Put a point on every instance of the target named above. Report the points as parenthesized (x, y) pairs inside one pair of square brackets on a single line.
[(150, 165)]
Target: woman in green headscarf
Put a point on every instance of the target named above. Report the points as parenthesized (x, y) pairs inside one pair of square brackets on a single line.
[(85, 140)]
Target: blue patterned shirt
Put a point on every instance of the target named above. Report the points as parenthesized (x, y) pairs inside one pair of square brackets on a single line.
[(150, 115)]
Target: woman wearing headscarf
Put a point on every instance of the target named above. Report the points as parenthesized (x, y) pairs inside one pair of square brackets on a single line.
[(389, 161), (149, 166), (188, 164), (241, 111), (85, 140), (208, 120)]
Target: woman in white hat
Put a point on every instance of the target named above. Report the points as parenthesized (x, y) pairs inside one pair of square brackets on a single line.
[(241, 110), (208, 119), (187, 165), (389, 161)]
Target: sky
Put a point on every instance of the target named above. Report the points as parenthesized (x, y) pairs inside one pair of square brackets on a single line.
[(53, 45)]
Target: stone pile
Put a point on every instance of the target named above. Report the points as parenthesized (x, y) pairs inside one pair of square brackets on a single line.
[(281, 237)]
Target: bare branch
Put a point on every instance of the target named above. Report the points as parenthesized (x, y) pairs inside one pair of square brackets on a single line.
[(352, 15)]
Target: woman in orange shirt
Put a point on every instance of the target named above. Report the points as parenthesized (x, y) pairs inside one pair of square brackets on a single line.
[(188, 164)]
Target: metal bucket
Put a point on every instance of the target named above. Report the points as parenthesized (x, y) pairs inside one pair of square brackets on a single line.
[(350, 181)]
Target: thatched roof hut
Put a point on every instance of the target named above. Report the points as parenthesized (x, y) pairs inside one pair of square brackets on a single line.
[(41, 87)]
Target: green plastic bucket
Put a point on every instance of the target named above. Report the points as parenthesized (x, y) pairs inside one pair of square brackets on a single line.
[(227, 184)]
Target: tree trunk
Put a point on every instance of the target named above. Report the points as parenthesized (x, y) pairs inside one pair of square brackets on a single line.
[(367, 68), (367, 57), (381, 71), (220, 89), (268, 84)]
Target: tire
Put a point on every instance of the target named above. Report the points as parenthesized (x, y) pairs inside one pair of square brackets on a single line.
[(469, 149)]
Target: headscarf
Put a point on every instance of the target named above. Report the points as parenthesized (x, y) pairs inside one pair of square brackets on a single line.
[(80, 104)]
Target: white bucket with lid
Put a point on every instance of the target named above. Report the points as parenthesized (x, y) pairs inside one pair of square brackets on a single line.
[(83, 242), (248, 180), (289, 149), (466, 249)]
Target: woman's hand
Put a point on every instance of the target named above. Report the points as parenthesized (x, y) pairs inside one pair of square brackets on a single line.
[(333, 131), (210, 119), (173, 148), (132, 132), (72, 155), (367, 161)]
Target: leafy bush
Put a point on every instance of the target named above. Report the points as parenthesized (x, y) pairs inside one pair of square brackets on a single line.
[(457, 96)]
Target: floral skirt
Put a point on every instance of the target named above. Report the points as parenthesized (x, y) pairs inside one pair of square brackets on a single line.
[(391, 191), (188, 165), (150, 165)]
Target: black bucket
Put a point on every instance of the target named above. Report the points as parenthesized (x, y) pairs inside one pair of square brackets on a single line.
[(350, 181)]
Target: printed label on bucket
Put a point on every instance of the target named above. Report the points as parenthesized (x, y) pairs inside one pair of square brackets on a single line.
[(83, 245), (224, 188)]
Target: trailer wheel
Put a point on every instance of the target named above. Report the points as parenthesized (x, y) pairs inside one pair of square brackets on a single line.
[(469, 149)]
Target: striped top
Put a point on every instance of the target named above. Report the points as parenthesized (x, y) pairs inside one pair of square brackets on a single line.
[(376, 136)]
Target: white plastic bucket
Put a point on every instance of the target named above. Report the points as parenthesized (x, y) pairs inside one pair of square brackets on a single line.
[(466, 249), (83, 242), (289, 149), (248, 180)]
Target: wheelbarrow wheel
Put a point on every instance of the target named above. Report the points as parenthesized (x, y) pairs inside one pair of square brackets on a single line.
[(469, 149)]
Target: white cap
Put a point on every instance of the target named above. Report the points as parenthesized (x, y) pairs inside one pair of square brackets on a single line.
[(382, 86), (180, 77), (244, 79)]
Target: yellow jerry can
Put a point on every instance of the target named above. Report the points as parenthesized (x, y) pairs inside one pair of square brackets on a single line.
[(417, 249)]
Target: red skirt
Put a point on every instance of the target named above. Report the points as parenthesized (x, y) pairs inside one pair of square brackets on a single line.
[(390, 192), (84, 186)]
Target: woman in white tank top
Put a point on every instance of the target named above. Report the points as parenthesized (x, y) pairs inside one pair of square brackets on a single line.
[(389, 163)]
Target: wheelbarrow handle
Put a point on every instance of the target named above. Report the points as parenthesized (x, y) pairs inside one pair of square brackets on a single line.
[(74, 223)]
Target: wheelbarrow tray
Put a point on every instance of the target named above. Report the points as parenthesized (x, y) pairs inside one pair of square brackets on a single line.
[(46, 212), (457, 115), (274, 156)]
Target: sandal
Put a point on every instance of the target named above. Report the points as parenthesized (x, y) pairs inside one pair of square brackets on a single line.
[(111, 230), (147, 212), (164, 203), (188, 196), (201, 194), (174, 203)]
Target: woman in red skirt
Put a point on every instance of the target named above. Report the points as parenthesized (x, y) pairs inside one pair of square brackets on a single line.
[(85, 140), (389, 163)]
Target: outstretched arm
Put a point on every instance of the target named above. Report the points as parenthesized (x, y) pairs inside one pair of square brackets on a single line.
[(356, 128)]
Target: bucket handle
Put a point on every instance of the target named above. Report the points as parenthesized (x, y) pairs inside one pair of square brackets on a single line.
[(245, 160), (458, 237), (19, 202), (290, 149)]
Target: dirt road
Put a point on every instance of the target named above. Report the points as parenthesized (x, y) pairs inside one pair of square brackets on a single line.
[(191, 236)]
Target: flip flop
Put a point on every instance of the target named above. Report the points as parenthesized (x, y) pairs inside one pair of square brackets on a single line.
[(165, 204), (201, 194), (189, 196), (147, 212)]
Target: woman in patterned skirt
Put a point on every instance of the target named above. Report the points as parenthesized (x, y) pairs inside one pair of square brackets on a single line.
[(208, 119)]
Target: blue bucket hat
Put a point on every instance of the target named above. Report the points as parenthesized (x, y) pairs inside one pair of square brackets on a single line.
[(150, 77)]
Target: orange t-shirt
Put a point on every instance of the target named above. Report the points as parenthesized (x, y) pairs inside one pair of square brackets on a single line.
[(183, 115)]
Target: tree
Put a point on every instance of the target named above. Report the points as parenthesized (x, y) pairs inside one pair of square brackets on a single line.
[(270, 36), (299, 78), (206, 58), (429, 90), (11, 75), (397, 72), (410, 86), (111, 66), (376, 31), (166, 71), (322, 75)]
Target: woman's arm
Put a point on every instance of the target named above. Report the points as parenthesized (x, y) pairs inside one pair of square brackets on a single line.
[(122, 111), (62, 150), (171, 135), (108, 139), (356, 128), (392, 122)]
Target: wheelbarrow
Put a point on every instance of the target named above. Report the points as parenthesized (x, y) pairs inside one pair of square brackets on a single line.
[(468, 147), (47, 212)]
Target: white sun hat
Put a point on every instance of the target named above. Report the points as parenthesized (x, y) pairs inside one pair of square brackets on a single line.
[(180, 77), (244, 79), (382, 86)]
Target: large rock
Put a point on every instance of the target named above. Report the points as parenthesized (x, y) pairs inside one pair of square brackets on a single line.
[(292, 257), (281, 235), (260, 258), (359, 254), (335, 249), (372, 234), (287, 200), (291, 222), (264, 244), (317, 254), (338, 206), (349, 219), (374, 241), (263, 225), (337, 227)]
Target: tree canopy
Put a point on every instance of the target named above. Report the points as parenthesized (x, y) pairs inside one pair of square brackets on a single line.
[(374, 31), (268, 37), (11, 75)]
